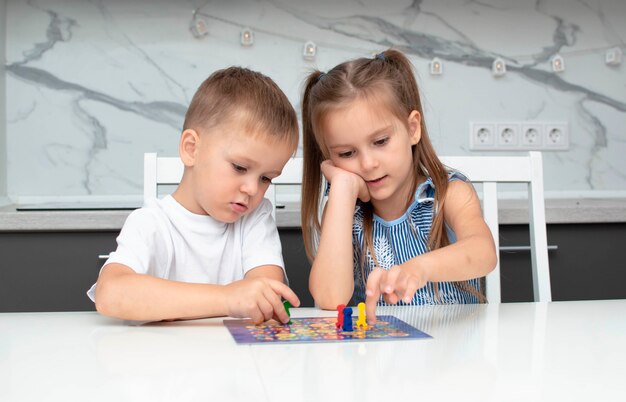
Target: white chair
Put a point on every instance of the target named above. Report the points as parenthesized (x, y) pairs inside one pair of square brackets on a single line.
[(490, 170), (159, 170), (291, 175)]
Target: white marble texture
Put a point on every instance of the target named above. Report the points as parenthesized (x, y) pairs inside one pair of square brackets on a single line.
[(92, 85), (3, 137)]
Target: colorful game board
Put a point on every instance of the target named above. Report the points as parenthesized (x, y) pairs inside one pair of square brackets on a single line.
[(320, 329)]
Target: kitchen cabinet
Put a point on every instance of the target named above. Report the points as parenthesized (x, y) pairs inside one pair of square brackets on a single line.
[(52, 270), (588, 264)]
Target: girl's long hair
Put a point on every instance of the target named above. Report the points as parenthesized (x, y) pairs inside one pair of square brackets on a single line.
[(389, 78)]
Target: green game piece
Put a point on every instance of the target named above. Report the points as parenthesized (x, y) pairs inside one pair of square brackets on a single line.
[(287, 306)]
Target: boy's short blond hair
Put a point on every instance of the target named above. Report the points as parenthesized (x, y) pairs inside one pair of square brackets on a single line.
[(250, 98)]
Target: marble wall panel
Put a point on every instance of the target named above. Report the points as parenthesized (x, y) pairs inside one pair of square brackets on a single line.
[(92, 85)]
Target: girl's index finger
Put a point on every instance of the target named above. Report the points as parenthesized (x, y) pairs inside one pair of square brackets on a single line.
[(372, 294), (370, 307)]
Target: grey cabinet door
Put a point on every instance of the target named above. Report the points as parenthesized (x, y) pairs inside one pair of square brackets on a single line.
[(296, 264), (588, 264), (50, 271)]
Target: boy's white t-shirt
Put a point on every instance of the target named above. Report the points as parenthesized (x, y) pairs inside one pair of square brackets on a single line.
[(165, 240)]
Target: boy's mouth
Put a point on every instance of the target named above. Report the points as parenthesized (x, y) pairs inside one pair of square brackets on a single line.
[(239, 207)]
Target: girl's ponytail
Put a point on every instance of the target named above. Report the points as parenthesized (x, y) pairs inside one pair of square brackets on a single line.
[(311, 173)]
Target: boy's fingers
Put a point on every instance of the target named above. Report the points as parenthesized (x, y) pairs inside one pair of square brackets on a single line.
[(256, 316), (282, 290), (285, 292), (278, 310), (266, 307)]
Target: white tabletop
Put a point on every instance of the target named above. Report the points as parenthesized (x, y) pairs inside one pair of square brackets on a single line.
[(507, 352)]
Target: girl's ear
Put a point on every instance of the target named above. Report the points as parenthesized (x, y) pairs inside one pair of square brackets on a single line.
[(415, 127), (188, 147)]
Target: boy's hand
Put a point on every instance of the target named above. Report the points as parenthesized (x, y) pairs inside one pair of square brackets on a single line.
[(397, 283), (259, 299), (334, 174)]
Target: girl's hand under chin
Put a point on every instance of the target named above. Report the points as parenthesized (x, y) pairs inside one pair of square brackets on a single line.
[(336, 175)]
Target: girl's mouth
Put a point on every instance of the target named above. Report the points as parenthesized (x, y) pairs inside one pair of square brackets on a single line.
[(376, 182)]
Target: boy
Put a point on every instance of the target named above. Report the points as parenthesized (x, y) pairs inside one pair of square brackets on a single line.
[(211, 248)]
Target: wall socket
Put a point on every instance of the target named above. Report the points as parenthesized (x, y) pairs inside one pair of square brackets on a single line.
[(519, 136)]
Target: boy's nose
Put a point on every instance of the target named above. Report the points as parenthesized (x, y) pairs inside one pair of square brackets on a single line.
[(250, 187)]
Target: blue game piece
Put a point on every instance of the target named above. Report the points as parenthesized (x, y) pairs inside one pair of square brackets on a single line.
[(347, 319)]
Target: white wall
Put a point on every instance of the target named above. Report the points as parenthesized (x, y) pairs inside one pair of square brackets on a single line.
[(3, 137), (93, 85)]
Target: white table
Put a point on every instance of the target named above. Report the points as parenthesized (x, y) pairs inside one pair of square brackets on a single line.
[(508, 352)]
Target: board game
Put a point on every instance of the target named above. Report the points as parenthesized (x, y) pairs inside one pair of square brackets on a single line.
[(320, 329)]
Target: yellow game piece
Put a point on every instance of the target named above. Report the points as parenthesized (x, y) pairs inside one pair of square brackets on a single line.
[(361, 321)]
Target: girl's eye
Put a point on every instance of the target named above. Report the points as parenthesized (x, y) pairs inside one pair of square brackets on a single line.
[(239, 169), (346, 154), (381, 141), (266, 179)]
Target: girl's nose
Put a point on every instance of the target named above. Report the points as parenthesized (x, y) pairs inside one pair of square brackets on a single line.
[(368, 161)]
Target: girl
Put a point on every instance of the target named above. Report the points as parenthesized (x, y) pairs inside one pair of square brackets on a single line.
[(398, 227)]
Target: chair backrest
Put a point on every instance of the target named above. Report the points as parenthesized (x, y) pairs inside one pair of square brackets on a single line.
[(291, 175), (159, 170), (490, 170)]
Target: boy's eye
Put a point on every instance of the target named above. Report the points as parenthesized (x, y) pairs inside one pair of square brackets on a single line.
[(381, 141), (239, 168), (266, 179)]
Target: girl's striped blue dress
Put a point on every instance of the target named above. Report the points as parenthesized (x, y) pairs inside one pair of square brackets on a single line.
[(402, 239)]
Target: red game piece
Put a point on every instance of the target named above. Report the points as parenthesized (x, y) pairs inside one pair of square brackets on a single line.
[(339, 322)]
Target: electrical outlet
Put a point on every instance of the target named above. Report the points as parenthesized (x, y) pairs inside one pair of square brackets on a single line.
[(531, 136), (507, 135), (556, 136), (519, 136), (482, 136)]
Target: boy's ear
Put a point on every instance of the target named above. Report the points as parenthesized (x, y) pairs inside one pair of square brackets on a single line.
[(415, 127), (189, 142)]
